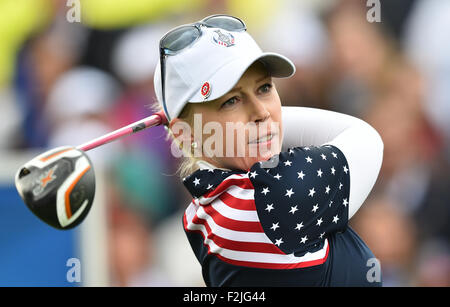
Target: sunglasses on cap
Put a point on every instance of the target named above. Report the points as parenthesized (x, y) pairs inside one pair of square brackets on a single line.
[(184, 36)]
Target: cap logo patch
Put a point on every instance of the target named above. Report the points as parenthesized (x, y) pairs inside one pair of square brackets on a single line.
[(206, 90), (223, 38)]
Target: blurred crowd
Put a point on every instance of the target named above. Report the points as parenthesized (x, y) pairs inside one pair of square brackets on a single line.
[(65, 82)]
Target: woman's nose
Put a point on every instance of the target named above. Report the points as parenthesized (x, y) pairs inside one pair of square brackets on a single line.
[(258, 110)]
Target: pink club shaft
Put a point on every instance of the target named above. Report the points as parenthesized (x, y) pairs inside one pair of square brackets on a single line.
[(154, 120)]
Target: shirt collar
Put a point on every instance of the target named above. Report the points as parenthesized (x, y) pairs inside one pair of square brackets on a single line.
[(203, 165)]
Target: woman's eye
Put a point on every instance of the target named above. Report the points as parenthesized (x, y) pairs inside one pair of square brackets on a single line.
[(230, 102), (265, 88)]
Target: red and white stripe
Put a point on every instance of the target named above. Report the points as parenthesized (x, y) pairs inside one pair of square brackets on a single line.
[(228, 221)]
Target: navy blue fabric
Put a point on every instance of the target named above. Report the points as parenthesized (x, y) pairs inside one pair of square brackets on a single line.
[(306, 190), (347, 266)]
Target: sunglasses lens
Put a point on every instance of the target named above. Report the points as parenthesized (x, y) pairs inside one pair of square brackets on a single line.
[(180, 38), (228, 23)]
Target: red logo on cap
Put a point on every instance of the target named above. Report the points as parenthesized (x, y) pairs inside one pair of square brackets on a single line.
[(206, 90)]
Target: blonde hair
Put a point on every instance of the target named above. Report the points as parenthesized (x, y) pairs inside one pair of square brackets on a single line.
[(188, 163)]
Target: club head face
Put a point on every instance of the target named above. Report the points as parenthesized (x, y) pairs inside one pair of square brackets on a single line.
[(58, 186)]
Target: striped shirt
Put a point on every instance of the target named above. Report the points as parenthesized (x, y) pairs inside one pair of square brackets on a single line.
[(268, 220)]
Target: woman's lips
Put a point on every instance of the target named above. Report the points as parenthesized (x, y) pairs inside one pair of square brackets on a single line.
[(267, 139)]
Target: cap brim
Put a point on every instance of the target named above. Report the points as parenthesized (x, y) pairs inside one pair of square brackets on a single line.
[(229, 75)]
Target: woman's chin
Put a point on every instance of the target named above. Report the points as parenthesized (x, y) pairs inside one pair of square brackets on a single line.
[(250, 161), (244, 162)]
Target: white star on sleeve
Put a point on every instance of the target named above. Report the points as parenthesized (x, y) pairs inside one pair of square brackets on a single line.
[(287, 163), (345, 169), (253, 174), (300, 175), (331, 202), (289, 193), (274, 226), (269, 207), (334, 155), (340, 185), (293, 209), (323, 157), (319, 221), (209, 186), (321, 235), (315, 208), (265, 191), (279, 242), (196, 181), (308, 159), (333, 170), (291, 151), (335, 219), (299, 226), (277, 176), (311, 192), (319, 173), (304, 239), (345, 202), (327, 189)]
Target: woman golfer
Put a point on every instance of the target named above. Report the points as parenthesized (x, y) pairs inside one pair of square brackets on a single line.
[(273, 187)]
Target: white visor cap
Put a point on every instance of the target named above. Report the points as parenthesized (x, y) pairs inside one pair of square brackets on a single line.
[(211, 67)]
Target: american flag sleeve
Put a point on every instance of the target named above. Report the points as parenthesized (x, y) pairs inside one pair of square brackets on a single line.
[(303, 198)]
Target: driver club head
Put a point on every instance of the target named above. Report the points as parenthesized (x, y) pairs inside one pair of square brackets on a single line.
[(58, 186)]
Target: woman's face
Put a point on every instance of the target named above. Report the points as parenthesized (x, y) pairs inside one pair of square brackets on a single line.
[(243, 126)]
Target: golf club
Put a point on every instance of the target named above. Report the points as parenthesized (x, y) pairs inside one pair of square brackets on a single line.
[(58, 186)]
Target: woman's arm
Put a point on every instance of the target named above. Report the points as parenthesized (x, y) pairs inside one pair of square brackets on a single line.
[(360, 143)]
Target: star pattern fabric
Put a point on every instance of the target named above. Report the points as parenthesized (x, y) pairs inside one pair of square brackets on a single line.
[(306, 196), (277, 218)]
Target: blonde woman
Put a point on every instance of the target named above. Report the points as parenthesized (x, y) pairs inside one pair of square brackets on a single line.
[(273, 187)]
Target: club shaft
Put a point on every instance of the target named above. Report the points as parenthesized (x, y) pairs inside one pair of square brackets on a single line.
[(151, 121)]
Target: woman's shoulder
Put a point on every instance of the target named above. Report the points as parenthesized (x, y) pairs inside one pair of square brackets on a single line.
[(204, 181), (303, 196)]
